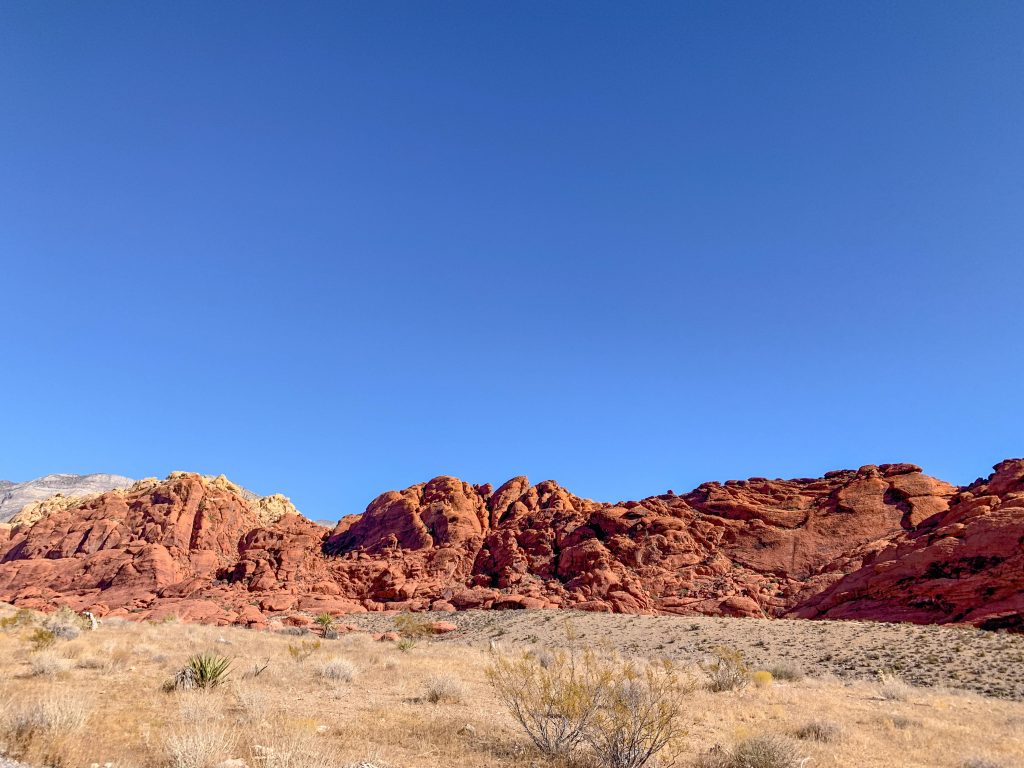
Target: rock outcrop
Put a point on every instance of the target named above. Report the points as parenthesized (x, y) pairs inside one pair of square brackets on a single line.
[(964, 563), (15, 496), (882, 542)]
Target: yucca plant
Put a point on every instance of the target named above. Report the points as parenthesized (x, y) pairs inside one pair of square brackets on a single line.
[(326, 623), (202, 670)]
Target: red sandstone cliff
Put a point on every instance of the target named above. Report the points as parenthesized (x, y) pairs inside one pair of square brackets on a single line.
[(820, 547)]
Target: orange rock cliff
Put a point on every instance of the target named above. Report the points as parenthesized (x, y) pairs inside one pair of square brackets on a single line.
[(884, 543)]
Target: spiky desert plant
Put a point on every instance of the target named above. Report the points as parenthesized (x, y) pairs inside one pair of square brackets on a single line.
[(326, 623), (202, 670)]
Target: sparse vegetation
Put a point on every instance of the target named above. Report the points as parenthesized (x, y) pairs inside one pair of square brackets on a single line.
[(412, 626), (326, 623), (443, 689), (765, 751), (786, 671), (892, 687), (337, 670), (555, 701), (203, 670), (639, 715), (303, 650), (299, 716), (727, 671), (823, 731)]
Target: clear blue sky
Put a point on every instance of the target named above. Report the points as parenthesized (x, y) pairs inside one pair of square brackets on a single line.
[(334, 248)]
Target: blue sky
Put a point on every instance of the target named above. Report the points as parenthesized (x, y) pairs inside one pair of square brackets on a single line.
[(330, 249)]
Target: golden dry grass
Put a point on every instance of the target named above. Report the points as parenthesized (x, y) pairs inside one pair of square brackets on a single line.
[(102, 703)]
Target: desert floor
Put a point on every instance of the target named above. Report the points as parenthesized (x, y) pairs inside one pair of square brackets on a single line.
[(98, 698)]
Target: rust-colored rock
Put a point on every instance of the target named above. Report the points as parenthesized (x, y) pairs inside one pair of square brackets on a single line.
[(882, 542)]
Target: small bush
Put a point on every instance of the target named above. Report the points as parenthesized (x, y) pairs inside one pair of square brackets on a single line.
[(762, 678), (892, 688), (20, 618), (47, 664), (728, 671), (755, 752), (638, 717), (405, 644), (443, 689), (819, 730), (787, 671), (46, 720), (302, 651), (200, 745), (338, 670), (554, 703), (203, 670), (41, 639), (411, 626)]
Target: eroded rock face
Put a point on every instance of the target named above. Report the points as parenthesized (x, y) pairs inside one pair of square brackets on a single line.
[(202, 549), (963, 563)]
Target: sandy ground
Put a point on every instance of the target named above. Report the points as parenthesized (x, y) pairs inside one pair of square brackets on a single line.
[(954, 657), (99, 698)]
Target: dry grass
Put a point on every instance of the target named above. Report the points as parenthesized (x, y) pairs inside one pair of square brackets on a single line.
[(290, 715)]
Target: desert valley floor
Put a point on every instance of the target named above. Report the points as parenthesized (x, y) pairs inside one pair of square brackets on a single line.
[(294, 701)]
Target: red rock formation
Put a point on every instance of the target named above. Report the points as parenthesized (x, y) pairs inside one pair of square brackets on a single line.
[(964, 563), (196, 547)]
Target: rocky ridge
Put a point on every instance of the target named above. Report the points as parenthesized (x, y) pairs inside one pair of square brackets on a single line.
[(883, 542), (15, 496)]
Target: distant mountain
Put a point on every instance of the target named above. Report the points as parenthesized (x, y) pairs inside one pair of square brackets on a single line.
[(14, 496)]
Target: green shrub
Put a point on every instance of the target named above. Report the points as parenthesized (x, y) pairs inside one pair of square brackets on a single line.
[(22, 617), (302, 651), (41, 638), (728, 671), (405, 644)]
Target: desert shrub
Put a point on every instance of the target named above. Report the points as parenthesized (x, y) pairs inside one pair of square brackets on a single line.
[(20, 618), (819, 730), (338, 670), (282, 746), (786, 671), (727, 672), (892, 688), (46, 720), (302, 651), (65, 624), (47, 664), (756, 752), (638, 716), (443, 689), (200, 745), (202, 670), (762, 678), (553, 703), (41, 639), (412, 626)]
